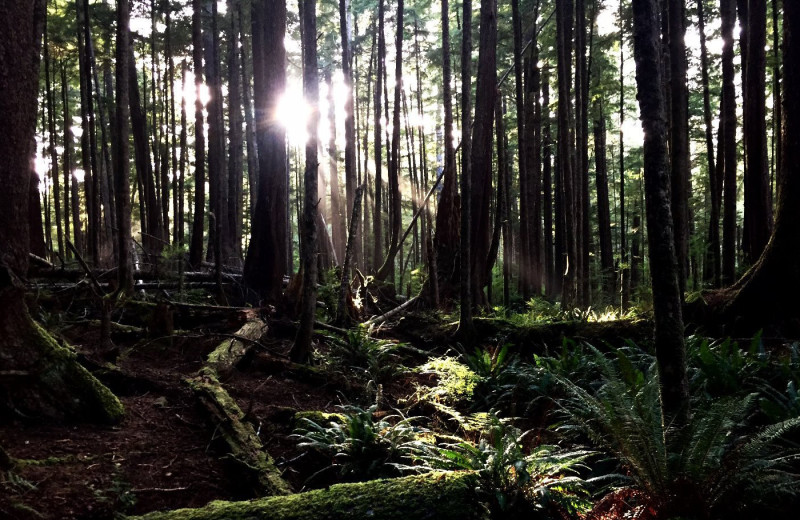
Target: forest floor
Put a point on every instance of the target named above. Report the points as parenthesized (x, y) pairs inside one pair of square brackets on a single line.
[(165, 454)]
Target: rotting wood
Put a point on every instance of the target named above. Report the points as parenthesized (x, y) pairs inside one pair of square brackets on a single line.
[(246, 451), (230, 352)]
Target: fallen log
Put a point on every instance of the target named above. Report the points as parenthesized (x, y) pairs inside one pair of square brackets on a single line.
[(441, 496), (230, 352), (246, 453), (245, 449)]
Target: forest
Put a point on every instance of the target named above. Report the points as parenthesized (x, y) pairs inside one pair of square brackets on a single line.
[(399, 259)]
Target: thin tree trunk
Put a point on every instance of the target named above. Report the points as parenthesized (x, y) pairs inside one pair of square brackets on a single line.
[(377, 221), (235, 138), (196, 247), (551, 282), (728, 16), (350, 162), (566, 150), (121, 157), (301, 349), (603, 213), (669, 334)]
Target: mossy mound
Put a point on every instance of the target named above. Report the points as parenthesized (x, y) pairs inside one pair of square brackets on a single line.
[(440, 496)]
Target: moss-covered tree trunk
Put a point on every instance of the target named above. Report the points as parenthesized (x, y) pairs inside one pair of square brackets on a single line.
[(37, 376)]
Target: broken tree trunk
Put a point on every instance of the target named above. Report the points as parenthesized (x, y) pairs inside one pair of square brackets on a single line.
[(243, 444), (343, 315)]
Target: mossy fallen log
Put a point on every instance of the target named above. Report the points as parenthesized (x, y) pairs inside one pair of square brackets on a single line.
[(230, 352), (434, 496)]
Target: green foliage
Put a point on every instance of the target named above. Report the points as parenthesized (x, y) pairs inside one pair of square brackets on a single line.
[(362, 358), (456, 381), (512, 478), (361, 447), (718, 462)]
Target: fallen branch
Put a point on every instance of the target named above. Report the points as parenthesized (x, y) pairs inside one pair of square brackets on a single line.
[(397, 310)]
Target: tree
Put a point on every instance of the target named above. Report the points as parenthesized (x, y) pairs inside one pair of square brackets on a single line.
[(757, 196), (196, 244), (679, 136), (40, 377), (728, 15), (121, 149), (265, 264), (301, 350), (669, 339), (480, 163), (766, 296), (465, 325)]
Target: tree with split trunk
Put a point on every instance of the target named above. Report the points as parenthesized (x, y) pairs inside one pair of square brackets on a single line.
[(39, 377)]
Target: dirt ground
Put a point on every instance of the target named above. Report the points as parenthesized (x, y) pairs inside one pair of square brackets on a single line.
[(163, 455)]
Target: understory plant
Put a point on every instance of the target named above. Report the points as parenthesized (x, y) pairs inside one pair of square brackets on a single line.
[(721, 464), (361, 446), (515, 479)]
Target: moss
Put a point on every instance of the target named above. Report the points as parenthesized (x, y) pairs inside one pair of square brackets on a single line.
[(318, 417), (440, 496), (244, 445), (72, 389), (53, 461)]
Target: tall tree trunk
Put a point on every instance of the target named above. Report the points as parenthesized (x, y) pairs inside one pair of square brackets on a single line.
[(196, 246), (465, 325), (217, 175), (233, 227), (524, 203), (301, 349), (603, 212), (446, 240), (757, 207), (679, 137), (67, 162), (669, 339), (395, 209), (338, 219), (350, 162), (53, 383), (766, 296), (265, 264), (51, 125), (625, 289), (713, 262), (249, 123), (550, 275), (566, 149), (377, 221), (581, 172), (480, 189), (121, 157), (728, 16), (152, 226)]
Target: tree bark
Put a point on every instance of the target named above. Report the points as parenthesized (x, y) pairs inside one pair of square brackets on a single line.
[(603, 212), (728, 16), (121, 157), (265, 265), (480, 188), (233, 227), (301, 350), (679, 137), (350, 162), (669, 339), (757, 203), (198, 222), (50, 381)]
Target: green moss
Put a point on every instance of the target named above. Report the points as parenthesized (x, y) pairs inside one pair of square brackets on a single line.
[(318, 417), (71, 387), (440, 496), (244, 445)]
